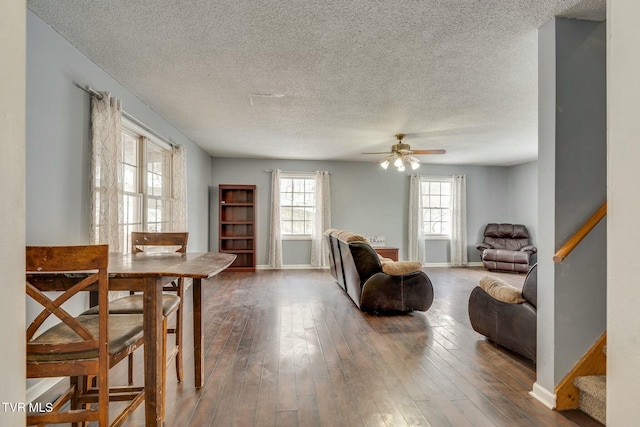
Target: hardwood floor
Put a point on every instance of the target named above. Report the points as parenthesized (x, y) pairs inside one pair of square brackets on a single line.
[(289, 348)]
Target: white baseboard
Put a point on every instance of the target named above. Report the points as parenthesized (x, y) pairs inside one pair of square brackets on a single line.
[(446, 264), (543, 395), (290, 267), (309, 267), (40, 387)]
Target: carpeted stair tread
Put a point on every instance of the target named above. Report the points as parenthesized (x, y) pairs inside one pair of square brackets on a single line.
[(593, 394)]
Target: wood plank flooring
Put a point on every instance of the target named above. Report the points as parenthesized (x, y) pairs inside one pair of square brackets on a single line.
[(289, 348)]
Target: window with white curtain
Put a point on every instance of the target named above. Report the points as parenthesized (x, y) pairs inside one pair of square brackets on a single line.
[(297, 206), (436, 207), (147, 202)]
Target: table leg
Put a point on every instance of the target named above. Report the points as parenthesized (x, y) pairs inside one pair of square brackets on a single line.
[(153, 343), (198, 339)]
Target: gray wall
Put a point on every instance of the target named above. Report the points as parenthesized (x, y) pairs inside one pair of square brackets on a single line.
[(573, 146), (58, 142), (369, 200), (523, 196), (58, 147)]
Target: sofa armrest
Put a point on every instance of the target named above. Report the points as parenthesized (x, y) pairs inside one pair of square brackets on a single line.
[(501, 291), (399, 268), (529, 248), (483, 246), (510, 325), (382, 292)]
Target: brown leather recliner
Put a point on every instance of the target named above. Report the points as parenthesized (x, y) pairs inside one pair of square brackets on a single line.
[(506, 247), (511, 325)]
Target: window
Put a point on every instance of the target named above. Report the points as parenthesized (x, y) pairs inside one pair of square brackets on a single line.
[(297, 205), (436, 207), (147, 203)]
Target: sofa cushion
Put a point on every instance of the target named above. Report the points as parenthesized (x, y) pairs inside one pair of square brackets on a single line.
[(501, 290), (399, 268), (348, 237)]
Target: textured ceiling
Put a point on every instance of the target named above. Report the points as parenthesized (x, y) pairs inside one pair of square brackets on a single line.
[(456, 74)]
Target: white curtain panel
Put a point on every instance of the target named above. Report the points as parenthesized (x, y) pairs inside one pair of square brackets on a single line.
[(106, 171), (459, 221), (319, 249), (275, 238), (416, 231), (179, 187)]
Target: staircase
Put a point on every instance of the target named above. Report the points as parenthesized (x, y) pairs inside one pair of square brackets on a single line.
[(593, 396), (584, 387)]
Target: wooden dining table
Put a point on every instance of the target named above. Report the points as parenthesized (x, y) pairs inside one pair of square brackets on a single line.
[(148, 272)]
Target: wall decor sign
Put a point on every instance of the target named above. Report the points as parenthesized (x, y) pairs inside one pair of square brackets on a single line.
[(377, 240)]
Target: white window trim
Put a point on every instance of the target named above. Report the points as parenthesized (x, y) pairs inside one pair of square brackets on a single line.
[(146, 138), (297, 175), (431, 178)]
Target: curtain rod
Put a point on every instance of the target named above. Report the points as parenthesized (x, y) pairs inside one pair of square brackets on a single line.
[(294, 172), (129, 117)]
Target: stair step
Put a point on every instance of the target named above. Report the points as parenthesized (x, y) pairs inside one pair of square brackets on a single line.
[(593, 396)]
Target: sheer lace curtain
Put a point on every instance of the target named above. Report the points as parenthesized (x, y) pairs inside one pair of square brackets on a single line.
[(106, 175), (106, 171), (416, 230), (459, 221), (275, 237), (179, 188), (322, 220)]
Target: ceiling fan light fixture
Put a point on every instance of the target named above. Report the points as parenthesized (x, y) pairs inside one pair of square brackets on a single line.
[(385, 164), (414, 165), (401, 167), (398, 162)]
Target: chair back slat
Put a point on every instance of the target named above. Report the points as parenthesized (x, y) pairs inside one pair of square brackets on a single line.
[(55, 307), (43, 260), (140, 239)]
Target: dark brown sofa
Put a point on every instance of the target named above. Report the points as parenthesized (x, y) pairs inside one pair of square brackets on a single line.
[(360, 272), (506, 247), (510, 324)]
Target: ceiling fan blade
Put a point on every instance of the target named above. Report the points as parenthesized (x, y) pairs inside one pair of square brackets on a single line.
[(379, 152), (429, 151)]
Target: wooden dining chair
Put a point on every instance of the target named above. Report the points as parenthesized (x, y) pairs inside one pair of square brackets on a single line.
[(171, 303), (83, 347)]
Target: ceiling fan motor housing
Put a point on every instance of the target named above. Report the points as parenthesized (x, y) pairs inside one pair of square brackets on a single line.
[(398, 148)]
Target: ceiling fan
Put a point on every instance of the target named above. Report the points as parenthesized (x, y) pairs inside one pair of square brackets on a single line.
[(401, 153)]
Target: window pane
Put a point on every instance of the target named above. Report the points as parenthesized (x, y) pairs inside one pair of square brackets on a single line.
[(286, 199), (310, 199), (436, 228), (298, 214), (434, 188), (299, 195), (298, 227), (298, 199), (130, 149), (436, 199), (310, 185), (286, 214), (298, 185), (130, 179), (131, 209)]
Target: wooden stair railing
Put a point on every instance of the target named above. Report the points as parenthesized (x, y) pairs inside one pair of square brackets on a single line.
[(592, 363), (577, 237)]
